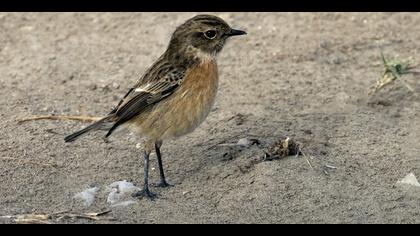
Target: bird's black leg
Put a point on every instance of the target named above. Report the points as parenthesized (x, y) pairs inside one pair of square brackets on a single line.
[(145, 191), (162, 182)]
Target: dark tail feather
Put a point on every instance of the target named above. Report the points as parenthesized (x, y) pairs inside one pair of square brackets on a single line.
[(114, 126), (97, 125)]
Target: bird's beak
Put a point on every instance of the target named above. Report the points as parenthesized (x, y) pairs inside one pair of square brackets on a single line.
[(235, 32)]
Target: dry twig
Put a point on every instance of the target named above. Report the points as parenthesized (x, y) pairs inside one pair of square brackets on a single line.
[(79, 118), (306, 158), (58, 216)]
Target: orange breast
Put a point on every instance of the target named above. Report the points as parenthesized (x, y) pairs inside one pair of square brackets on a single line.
[(194, 100), (187, 108), (201, 80)]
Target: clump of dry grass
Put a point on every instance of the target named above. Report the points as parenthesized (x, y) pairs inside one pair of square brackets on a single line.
[(283, 148), (394, 69)]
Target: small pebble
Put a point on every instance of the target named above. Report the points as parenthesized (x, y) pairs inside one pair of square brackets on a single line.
[(409, 179), (115, 85), (246, 142)]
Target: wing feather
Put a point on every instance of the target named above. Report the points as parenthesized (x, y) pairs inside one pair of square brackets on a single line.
[(158, 83)]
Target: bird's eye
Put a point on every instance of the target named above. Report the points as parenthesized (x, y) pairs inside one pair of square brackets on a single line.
[(210, 34)]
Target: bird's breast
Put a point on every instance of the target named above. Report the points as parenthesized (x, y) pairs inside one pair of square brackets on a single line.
[(186, 108), (195, 98)]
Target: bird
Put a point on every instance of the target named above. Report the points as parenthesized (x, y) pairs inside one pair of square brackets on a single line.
[(174, 95)]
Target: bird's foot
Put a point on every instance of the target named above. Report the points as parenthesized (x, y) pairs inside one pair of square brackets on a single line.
[(162, 184), (145, 193)]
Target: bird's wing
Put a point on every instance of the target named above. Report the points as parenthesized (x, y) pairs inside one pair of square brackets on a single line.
[(159, 82)]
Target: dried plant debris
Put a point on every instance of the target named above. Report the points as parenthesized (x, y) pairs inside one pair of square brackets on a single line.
[(56, 217), (53, 117), (282, 148), (29, 218), (327, 167), (393, 70)]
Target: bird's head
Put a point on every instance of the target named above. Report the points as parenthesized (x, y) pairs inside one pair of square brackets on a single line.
[(203, 35)]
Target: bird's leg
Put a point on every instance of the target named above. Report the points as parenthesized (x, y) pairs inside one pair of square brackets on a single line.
[(145, 191), (162, 182), (146, 177)]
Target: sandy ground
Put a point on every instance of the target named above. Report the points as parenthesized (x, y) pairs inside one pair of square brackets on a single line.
[(301, 75)]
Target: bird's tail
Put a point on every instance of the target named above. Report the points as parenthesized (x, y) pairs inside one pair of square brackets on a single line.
[(95, 126)]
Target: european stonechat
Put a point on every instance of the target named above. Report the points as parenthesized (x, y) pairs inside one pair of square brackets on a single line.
[(175, 94)]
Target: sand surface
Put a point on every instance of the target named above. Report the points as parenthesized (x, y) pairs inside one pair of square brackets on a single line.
[(301, 75)]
